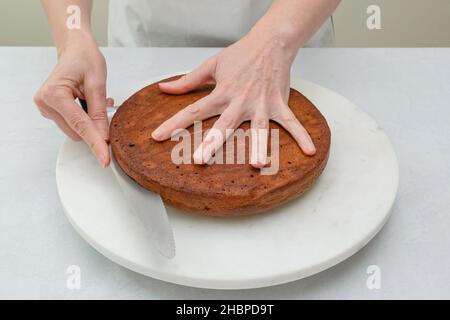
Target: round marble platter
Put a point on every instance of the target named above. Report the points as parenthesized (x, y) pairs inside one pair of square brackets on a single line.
[(340, 214)]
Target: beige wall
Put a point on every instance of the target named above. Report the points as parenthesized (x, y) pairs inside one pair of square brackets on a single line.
[(411, 23), (23, 23), (405, 23)]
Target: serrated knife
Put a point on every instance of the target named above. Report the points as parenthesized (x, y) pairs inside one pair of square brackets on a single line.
[(146, 205)]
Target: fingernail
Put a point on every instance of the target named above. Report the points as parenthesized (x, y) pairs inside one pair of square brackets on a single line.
[(105, 135), (102, 160), (257, 161), (207, 153), (198, 158), (311, 150), (157, 134), (198, 155), (259, 165), (162, 84)]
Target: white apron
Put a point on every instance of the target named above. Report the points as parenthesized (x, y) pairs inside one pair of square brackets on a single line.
[(191, 23)]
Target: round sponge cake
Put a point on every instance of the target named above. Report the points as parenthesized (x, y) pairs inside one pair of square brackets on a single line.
[(216, 189)]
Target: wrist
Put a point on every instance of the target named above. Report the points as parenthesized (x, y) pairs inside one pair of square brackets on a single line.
[(280, 40), (75, 40), (281, 27)]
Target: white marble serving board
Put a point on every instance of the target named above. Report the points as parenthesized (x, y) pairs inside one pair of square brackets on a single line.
[(346, 207)]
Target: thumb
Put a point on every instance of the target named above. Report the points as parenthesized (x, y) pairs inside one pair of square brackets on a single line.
[(204, 74)]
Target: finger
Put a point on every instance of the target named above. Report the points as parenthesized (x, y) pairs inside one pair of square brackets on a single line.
[(298, 132), (259, 137), (109, 102), (95, 93), (65, 128), (202, 109), (80, 122), (202, 75), (222, 129), (49, 113)]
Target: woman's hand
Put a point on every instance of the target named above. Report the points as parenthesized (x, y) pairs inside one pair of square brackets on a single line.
[(79, 73), (252, 82)]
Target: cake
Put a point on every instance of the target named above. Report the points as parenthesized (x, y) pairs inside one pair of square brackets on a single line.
[(213, 189)]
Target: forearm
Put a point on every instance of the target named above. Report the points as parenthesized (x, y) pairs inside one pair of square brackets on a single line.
[(57, 15), (295, 21)]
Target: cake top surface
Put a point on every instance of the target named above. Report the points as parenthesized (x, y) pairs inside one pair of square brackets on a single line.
[(150, 162)]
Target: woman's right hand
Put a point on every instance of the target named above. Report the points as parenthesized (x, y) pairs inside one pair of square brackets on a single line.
[(79, 73)]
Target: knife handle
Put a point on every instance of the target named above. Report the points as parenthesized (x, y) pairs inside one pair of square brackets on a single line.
[(110, 111), (83, 104)]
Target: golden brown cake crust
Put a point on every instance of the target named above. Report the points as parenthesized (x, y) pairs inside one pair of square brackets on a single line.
[(218, 189)]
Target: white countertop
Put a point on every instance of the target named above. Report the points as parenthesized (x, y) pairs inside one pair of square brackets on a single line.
[(406, 90)]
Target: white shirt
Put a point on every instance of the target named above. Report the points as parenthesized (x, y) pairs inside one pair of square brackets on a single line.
[(191, 23)]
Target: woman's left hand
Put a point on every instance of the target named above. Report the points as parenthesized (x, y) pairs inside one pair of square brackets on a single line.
[(252, 83)]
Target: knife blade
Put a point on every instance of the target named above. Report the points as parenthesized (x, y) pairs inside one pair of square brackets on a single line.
[(146, 205)]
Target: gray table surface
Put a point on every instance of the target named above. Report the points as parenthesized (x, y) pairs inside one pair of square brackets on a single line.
[(406, 90)]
